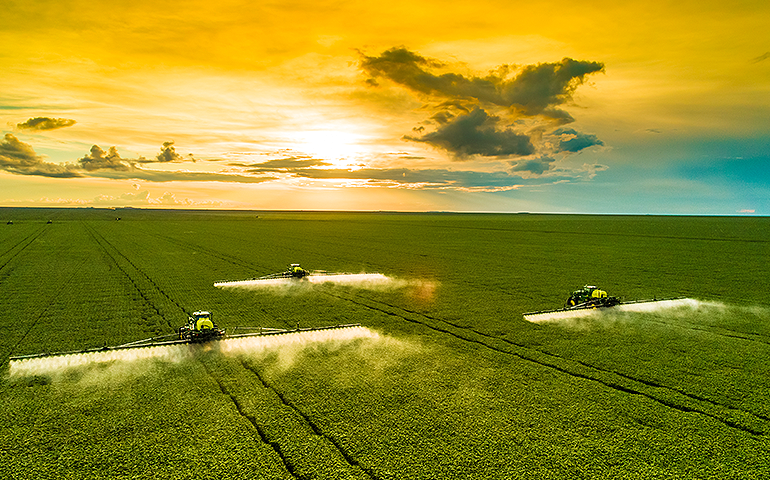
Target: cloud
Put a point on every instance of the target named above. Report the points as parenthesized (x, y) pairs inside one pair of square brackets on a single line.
[(534, 89), (144, 198), (536, 166), (98, 159), (475, 114), (167, 154), (45, 123), (593, 169), (538, 88), (423, 179), (16, 153), (140, 198), (287, 163), (171, 176), (570, 140), (20, 158), (477, 134)]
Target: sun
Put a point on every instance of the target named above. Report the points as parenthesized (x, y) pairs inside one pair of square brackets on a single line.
[(334, 146)]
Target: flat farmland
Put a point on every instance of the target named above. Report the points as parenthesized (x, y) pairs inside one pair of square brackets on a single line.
[(450, 383)]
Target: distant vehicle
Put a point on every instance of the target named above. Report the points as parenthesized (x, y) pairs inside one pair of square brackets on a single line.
[(295, 272)]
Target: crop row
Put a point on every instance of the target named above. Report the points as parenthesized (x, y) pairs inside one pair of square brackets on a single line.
[(623, 372), (160, 291), (728, 415), (457, 385)]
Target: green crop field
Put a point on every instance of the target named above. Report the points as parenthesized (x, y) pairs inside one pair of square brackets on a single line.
[(450, 383)]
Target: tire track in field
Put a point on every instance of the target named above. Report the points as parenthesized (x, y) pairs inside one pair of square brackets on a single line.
[(291, 459), (104, 243), (613, 234), (307, 420), (239, 408), (745, 421), (253, 421), (637, 387), (232, 259), (109, 248), (221, 256), (48, 305), (28, 239), (209, 251), (316, 429), (737, 334)]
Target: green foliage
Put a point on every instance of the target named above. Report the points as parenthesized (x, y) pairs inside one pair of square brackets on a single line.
[(457, 385)]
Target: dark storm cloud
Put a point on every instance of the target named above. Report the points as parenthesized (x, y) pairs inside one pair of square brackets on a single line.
[(570, 140), (535, 89), (477, 134), (442, 117), (538, 87), (409, 69), (460, 103), (20, 158), (45, 123), (536, 166)]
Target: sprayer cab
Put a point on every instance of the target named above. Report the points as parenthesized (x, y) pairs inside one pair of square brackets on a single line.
[(200, 327), (296, 271), (591, 297)]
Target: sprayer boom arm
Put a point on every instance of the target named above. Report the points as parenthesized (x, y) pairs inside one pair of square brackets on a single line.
[(158, 341)]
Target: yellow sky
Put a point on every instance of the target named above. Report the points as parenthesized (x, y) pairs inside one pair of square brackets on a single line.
[(238, 83)]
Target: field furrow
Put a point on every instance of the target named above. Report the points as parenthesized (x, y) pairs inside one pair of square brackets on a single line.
[(15, 249), (194, 246), (306, 452), (151, 292), (354, 464), (160, 302), (749, 422), (444, 379)]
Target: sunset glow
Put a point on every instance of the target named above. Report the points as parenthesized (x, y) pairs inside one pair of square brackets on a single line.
[(494, 106)]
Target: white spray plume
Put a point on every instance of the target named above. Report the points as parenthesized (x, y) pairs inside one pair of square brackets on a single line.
[(369, 281), (361, 280), (289, 347), (260, 343), (133, 361), (641, 307), (59, 363)]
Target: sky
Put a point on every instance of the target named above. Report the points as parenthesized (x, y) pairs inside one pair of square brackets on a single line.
[(653, 107)]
